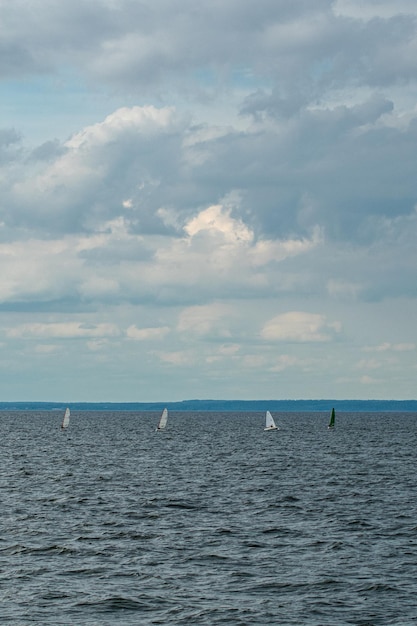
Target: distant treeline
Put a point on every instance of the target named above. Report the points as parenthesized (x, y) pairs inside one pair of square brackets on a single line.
[(221, 405)]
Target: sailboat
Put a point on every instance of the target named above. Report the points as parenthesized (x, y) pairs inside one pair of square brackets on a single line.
[(332, 416), (163, 420), (269, 422), (65, 421)]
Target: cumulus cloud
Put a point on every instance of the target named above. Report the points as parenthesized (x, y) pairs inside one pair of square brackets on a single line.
[(10, 145), (213, 163), (46, 348), (176, 358), (143, 334), (368, 380), (62, 330), (390, 347), (299, 326), (370, 364), (286, 361), (149, 44), (87, 182), (211, 319), (217, 220)]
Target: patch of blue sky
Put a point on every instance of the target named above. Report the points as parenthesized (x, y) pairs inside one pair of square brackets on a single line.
[(52, 107), (322, 68)]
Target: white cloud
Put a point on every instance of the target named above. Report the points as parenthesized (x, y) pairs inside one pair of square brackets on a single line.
[(229, 349), (98, 345), (369, 380), (219, 252), (387, 346), (285, 361), (299, 326), (211, 319), (176, 358), (370, 364), (46, 348), (146, 120), (254, 361), (344, 289), (178, 176), (267, 251), (217, 220), (143, 334), (63, 330), (28, 273), (404, 347)]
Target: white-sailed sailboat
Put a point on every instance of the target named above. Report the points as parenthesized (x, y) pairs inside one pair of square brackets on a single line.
[(163, 420), (65, 421), (269, 422)]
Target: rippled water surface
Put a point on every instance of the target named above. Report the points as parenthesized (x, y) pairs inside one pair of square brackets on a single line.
[(212, 521)]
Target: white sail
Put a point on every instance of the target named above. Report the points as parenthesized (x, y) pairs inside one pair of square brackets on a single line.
[(163, 420), (269, 422), (65, 421)]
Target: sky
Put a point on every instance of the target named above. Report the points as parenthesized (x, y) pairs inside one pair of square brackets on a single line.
[(208, 199)]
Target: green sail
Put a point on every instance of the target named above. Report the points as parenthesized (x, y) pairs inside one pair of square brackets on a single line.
[(332, 416)]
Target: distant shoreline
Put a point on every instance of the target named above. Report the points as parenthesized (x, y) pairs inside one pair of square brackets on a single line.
[(221, 405)]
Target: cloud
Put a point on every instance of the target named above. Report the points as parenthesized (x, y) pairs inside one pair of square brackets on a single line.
[(178, 173), (208, 320), (344, 289), (280, 60), (370, 10), (46, 348), (87, 182), (61, 330), (370, 364), (286, 361), (28, 273), (214, 252), (138, 165), (10, 145), (389, 347), (48, 151), (369, 380), (216, 219), (176, 358), (143, 334), (300, 327), (142, 44)]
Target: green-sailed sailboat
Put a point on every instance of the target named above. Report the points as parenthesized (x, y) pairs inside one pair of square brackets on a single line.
[(332, 416)]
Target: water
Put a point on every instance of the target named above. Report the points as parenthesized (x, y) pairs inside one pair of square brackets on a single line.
[(212, 521)]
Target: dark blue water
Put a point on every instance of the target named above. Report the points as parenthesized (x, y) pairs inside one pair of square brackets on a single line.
[(212, 521)]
